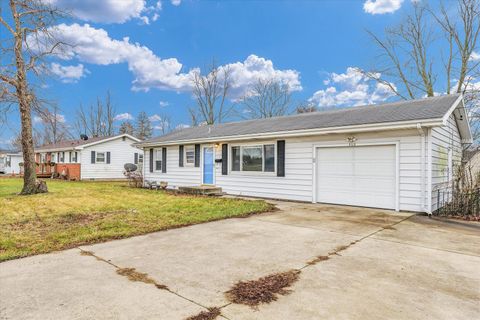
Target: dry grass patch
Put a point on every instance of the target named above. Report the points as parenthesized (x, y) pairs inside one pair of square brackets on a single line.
[(263, 290), (134, 275), (317, 260), (211, 314)]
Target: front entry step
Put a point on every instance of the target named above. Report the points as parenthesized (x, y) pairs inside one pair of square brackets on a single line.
[(202, 190)]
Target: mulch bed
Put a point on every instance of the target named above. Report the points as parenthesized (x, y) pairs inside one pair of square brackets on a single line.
[(263, 290), (211, 314)]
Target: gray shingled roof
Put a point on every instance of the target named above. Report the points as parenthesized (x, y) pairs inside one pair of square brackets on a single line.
[(69, 144), (422, 109)]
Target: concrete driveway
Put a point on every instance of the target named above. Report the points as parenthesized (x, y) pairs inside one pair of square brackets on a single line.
[(401, 267)]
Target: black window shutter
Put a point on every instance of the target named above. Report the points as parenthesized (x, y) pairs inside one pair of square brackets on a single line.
[(197, 155), (108, 157), (92, 157), (164, 160), (224, 159), (135, 158), (281, 158), (180, 156), (151, 160)]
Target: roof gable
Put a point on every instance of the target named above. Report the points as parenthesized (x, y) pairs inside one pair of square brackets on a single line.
[(80, 144)]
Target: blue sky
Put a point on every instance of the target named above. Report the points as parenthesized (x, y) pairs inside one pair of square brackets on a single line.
[(308, 44)]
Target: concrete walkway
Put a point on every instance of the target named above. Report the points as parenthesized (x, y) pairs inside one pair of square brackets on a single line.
[(401, 267)]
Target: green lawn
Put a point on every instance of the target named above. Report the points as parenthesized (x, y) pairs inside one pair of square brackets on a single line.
[(75, 213)]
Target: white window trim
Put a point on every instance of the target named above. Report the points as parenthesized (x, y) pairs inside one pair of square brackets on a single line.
[(104, 157), (250, 173), (157, 152), (190, 148)]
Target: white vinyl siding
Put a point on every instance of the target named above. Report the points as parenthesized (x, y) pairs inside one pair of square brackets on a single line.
[(121, 152), (445, 140), (175, 176), (298, 181)]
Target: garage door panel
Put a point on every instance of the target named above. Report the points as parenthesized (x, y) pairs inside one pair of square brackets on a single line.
[(362, 176)]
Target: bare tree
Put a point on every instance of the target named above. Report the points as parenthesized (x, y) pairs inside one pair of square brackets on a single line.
[(164, 125), (266, 98), (211, 91), (126, 127), (98, 120), (29, 21), (143, 127), (52, 127), (407, 54), (306, 107)]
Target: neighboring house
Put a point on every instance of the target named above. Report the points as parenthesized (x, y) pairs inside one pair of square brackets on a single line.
[(91, 159), (472, 160), (10, 162), (389, 156)]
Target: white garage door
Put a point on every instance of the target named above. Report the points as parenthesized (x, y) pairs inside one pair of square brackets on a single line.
[(360, 176)]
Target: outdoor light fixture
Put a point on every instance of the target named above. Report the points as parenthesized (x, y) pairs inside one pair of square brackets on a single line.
[(352, 141)]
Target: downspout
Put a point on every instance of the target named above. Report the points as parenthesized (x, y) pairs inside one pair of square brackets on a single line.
[(423, 169)]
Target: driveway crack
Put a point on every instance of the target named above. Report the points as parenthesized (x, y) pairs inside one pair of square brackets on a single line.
[(134, 275)]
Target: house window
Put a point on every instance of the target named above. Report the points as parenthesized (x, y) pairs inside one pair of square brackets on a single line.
[(74, 157), (53, 157), (100, 157), (61, 156), (190, 155), (140, 158), (158, 160), (256, 158), (42, 158)]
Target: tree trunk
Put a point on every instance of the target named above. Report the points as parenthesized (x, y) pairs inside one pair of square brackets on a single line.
[(30, 183)]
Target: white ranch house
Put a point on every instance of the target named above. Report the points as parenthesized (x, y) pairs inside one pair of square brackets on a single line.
[(97, 158), (392, 156)]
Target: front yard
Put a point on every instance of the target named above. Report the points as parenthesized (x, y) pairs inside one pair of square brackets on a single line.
[(76, 213)]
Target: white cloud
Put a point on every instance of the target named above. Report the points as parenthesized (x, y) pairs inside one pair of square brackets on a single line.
[(164, 103), (60, 118), (123, 116), (176, 2), (68, 74), (475, 56), (90, 45), (244, 74), (155, 118), (106, 11), (351, 88), (182, 126), (381, 6)]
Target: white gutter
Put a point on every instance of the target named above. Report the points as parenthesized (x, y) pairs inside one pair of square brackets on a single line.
[(423, 169), (304, 132)]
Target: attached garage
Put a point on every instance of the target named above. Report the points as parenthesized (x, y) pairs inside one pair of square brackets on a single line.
[(364, 175), (394, 156)]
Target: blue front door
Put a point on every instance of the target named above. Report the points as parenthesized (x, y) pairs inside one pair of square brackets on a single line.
[(208, 165)]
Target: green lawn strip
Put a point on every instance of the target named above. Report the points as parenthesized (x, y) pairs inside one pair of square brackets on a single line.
[(76, 213)]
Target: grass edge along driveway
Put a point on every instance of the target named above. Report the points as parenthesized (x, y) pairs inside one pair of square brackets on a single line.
[(78, 213)]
